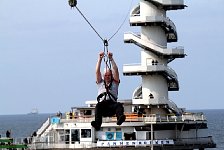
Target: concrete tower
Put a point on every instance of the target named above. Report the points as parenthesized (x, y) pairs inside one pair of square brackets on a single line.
[(157, 77)]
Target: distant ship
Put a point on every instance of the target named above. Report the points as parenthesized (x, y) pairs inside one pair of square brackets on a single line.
[(33, 111)]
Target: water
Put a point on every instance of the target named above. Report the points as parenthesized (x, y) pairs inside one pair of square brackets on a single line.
[(25, 125), (215, 125), (21, 125)]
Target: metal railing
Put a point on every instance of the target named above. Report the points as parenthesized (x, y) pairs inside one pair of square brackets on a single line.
[(43, 127), (132, 117), (198, 140), (42, 144)]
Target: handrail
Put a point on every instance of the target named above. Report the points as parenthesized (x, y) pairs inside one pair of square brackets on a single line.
[(137, 35), (133, 117), (162, 2), (44, 126), (149, 41), (45, 144), (157, 18), (135, 11), (168, 69)]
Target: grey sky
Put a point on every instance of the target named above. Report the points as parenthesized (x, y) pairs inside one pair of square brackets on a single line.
[(48, 53)]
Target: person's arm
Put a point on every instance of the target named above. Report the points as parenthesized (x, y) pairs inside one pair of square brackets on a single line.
[(114, 68), (98, 65)]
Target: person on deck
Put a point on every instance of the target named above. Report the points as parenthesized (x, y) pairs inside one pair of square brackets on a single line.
[(107, 105), (8, 134)]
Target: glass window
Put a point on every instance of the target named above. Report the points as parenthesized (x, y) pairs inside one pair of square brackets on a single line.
[(85, 133), (148, 135), (75, 135), (67, 133), (87, 112)]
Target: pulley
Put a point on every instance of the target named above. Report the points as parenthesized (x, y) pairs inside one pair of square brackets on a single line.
[(72, 3)]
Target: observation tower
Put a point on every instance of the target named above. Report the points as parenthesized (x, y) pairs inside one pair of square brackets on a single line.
[(157, 77)]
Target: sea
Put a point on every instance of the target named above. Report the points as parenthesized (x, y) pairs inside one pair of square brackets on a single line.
[(24, 125)]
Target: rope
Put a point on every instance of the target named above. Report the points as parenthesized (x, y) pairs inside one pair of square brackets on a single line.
[(122, 22), (73, 3), (89, 23)]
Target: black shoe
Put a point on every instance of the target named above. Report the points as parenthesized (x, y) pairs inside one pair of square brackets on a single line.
[(95, 125), (121, 119)]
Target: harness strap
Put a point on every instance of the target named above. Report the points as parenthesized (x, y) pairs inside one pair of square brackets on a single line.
[(107, 87), (111, 96)]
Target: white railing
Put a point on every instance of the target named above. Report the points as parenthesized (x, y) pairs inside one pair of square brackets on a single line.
[(137, 35), (130, 36), (146, 118), (193, 117), (44, 127), (138, 18), (159, 67), (170, 2), (135, 11), (170, 71), (179, 141), (42, 143)]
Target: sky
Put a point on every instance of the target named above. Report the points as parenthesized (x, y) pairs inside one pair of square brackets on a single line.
[(48, 53)]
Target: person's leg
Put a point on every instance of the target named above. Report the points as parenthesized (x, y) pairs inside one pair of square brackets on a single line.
[(120, 113), (98, 116)]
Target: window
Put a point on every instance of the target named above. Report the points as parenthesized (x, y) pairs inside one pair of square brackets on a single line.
[(148, 135), (87, 112), (75, 135), (85, 133), (67, 133)]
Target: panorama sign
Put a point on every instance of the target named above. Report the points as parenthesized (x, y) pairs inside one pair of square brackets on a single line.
[(134, 143)]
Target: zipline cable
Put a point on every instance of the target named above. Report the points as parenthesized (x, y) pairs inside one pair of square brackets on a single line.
[(122, 22), (89, 23), (73, 3)]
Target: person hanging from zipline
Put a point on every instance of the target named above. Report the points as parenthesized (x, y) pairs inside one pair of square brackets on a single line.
[(107, 84)]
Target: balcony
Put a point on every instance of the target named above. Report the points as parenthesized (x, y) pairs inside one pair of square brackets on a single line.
[(170, 53), (169, 4)]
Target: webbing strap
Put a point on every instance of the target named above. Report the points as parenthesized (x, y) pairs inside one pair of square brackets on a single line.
[(111, 96)]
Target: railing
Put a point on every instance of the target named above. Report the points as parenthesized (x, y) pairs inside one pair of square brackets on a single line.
[(157, 67), (193, 117), (133, 117), (57, 143), (78, 119), (161, 18), (136, 38), (43, 144), (137, 35), (135, 11), (180, 2), (43, 127), (200, 140)]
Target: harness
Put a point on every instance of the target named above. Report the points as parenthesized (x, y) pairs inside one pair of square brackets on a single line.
[(107, 93)]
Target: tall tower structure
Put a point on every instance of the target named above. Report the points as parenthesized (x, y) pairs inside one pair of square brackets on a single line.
[(157, 77)]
